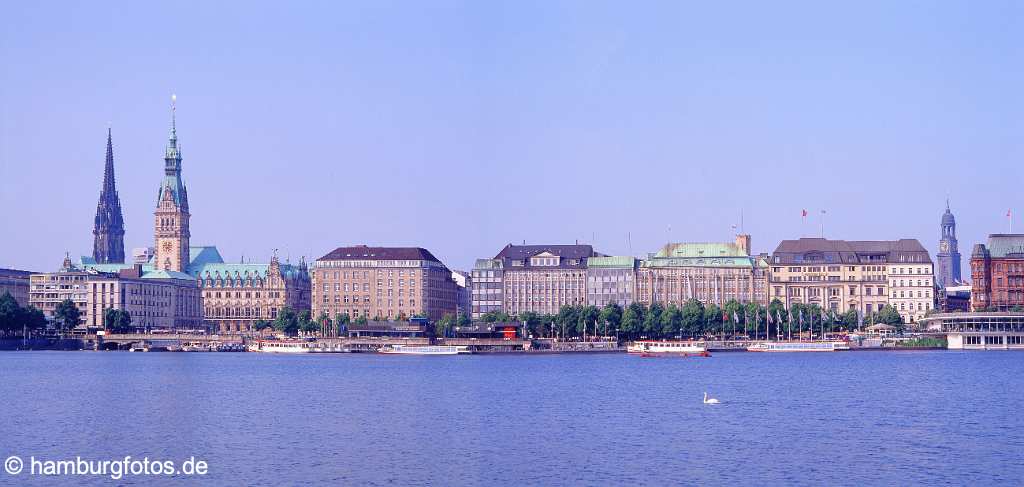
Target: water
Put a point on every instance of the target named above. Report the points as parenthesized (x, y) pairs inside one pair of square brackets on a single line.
[(853, 418)]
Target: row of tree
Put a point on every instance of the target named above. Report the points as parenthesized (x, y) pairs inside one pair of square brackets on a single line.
[(290, 322), (693, 319), (18, 320)]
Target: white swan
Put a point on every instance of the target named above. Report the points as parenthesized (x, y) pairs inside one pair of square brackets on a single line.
[(710, 400)]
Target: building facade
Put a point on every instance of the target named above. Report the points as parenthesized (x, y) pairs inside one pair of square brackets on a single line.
[(236, 296), (709, 272), (543, 278), (611, 280), (464, 282), (108, 226), (383, 282), (842, 275), (997, 273), (48, 289), (17, 283), (487, 287), (153, 300), (947, 272)]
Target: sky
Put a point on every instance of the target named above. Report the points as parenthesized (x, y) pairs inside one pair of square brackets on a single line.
[(464, 126)]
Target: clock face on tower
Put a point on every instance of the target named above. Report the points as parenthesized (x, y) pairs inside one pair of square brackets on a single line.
[(943, 246), (167, 246)]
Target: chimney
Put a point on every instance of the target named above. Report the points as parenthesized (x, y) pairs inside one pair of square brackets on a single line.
[(743, 243)]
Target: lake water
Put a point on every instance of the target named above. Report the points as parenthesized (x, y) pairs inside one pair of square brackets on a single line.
[(853, 418)]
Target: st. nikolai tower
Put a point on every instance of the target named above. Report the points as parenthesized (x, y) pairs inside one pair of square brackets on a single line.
[(108, 227), (171, 222)]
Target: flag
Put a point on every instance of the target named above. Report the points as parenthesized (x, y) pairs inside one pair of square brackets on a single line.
[(801, 317), (803, 213), (735, 317), (778, 316), (860, 319), (1009, 212), (768, 317)]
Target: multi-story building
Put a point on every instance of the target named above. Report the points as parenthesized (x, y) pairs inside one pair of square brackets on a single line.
[(154, 300), (464, 282), (487, 287), (16, 283), (48, 289), (611, 280), (383, 282), (845, 275), (236, 296), (543, 278), (997, 273), (947, 272), (709, 272), (912, 285)]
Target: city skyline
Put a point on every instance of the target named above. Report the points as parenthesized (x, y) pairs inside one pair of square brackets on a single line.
[(292, 160)]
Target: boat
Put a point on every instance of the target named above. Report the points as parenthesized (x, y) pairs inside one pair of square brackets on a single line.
[(280, 346), (816, 346), (656, 348), (423, 350)]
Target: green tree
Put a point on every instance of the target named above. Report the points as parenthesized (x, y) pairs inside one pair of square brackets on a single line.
[(534, 325), (463, 320), (117, 320), (567, 318), (287, 321), (10, 313), (261, 325), (652, 320), (34, 319), (889, 316), (611, 317), (67, 314), (443, 326), (361, 320), (671, 321), (633, 319), (588, 317), (495, 317), (712, 319), (693, 318)]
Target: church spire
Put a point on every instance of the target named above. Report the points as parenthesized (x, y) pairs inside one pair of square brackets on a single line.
[(108, 228)]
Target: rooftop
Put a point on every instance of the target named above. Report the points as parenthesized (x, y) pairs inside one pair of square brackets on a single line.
[(825, 251), (363, 252)]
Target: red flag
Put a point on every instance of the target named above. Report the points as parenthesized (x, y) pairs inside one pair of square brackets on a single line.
[(803, 213)]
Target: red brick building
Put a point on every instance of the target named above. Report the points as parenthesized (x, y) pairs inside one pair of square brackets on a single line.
[(997, 272)]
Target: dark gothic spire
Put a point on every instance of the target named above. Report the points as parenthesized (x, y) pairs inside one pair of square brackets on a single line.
[(108, 229)]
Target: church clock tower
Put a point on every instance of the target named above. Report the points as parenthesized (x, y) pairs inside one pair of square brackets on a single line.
[(948, 273), (171, 216)]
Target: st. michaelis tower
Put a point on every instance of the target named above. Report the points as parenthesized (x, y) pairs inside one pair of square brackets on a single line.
[(108, 227), (171, 223)]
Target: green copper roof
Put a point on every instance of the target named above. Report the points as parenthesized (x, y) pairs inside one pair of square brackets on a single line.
[(711, 249), (1003, 245), (623, 261), (164, 274), (203, 255)]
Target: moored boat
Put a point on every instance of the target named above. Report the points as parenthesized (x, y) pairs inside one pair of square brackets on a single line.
[(816, 346), (423, 350), (655, 348), (280, 346)]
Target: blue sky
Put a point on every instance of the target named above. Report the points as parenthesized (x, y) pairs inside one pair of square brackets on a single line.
[(463, 126)]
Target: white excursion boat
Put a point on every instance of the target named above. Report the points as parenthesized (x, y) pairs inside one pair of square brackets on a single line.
[(423, 350), (819, 346), (653, 347), (280, 346)]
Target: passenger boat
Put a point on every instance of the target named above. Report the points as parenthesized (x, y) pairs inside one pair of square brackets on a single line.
[(655, 348), (818, 346), (423, 350), (280, 346)]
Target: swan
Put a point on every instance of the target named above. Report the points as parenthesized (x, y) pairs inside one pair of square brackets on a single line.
[(710, 400)]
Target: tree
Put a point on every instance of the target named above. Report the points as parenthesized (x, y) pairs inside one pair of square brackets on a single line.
[(261, 325), (652, 320), (443, 326), (463, 320), (671, 321), (287, 321), (495, 316), (341, 321), (534, 325), (10, 313), (361, 320), (588, 315), (567, 318), (693, 318), (712, 319), (67, 314), (611, 317), (889, 316), (633, 319), (34, 318), (117, 320)]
